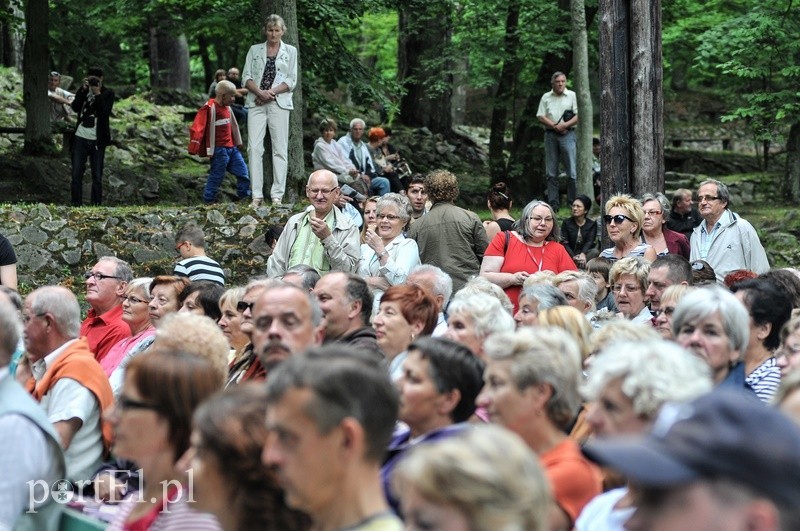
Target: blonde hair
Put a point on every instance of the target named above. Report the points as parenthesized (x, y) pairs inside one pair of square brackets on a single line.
[(195, 334), (487, 473), (540, 277), (621, 330), (573, 321), (631, 206)]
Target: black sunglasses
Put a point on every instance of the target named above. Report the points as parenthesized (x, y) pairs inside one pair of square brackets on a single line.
[(241, 306), (618, 219)]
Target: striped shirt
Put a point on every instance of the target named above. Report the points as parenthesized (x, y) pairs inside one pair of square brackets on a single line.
[(765, 379), (200, 268)]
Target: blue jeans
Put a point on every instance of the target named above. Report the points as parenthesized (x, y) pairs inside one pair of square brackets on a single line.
[(83, 149), (560, 148), (380, 186), (227, 159)]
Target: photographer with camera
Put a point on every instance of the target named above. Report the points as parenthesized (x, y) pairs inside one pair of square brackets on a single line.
[(558, 111), (93, 103)]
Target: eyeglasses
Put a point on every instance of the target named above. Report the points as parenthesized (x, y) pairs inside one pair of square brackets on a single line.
[(124, 403), (133, 300), (323, 191), (666, 310), (707, 198), (26, 318), (390, 217), (241, 306), (652, 212), (618, 219), (179, 245), (97, 276), (538, 219), (628, 289)]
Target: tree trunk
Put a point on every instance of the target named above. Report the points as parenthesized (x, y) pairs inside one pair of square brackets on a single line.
[(296, 177), (504, 94), (38, 139), (169, 60), (424, 32), (580, 65), (647, 101), (205, 57), (615, 156), (791, 184), (11, 38)]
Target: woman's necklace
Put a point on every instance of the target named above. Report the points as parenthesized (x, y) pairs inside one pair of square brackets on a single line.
[(540, 263)]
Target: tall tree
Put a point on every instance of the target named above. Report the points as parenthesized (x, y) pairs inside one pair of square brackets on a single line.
[(424, 65), (169, 57), (34, 92), (580, 67)]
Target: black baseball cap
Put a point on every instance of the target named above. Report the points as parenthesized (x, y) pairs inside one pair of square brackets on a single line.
[(724, 434)]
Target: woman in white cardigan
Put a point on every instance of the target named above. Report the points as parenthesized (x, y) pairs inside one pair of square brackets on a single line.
[(270, 75), (387, 256)]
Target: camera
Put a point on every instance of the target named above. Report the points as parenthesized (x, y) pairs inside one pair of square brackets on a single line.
[(568, 115), (94, 81), (350, 192)]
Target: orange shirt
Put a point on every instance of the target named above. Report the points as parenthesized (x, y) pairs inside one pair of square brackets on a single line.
[(574, 479)]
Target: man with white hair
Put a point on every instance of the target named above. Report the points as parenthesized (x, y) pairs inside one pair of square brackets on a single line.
[(355, 149), (67, 381), (29, 448), (321, 237), (437, 283)]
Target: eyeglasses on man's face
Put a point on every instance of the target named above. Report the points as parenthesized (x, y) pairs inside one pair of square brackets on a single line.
[(98, 276), (707, 198), (324, 191)]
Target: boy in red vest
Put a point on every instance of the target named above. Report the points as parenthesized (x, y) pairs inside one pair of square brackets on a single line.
[(222, 142)]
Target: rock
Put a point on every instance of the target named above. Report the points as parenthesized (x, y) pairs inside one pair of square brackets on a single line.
[(33, 235)]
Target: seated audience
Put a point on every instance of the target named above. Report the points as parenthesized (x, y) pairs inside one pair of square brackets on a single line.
[(165, 293), (472, 318), (534, 393), (787, 399), (66, 379), (573, 322), (202, 298), (105, 285), (387, 256), (599, 268), (788, 355), (533, 246), (669, 301), (714, 325), (769, 310), (406, 313), (702, 273), (579, 288), (628, 384), (230, 322), (346, 304), (437, 283), (579, 232), (623, 218), (302, 275), (654, 229), (328, 155), (152, 423), (498, 199), (484, 479), (229, 479), (436, 371), (629, 282), (535, 298)]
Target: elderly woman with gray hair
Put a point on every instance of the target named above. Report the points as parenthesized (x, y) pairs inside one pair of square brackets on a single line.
[(628, 278), (531, 246), (473, 317), (387, 256), (628, 384), (654, 229), (712, 323)]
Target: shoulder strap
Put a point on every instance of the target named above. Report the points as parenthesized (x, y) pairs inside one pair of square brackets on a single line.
[(508, 237)]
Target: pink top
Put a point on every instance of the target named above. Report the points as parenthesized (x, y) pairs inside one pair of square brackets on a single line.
[(118, 352)]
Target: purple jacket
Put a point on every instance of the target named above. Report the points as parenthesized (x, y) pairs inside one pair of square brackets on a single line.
[(398, 446)]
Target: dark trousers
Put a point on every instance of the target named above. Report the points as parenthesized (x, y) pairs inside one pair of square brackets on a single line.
[(83, 149)]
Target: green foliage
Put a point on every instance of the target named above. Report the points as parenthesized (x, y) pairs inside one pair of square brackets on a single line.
[(756, 54)]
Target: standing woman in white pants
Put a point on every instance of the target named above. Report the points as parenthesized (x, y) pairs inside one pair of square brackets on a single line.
[(270, 74)]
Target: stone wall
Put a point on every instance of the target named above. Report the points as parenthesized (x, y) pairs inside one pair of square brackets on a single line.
[(57, 244)]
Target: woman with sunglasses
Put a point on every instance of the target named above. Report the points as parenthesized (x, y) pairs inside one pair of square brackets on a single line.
[(532, 246), (623, 219)]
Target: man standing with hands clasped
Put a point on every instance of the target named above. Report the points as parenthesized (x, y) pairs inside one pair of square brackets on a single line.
[(93, 103), (558, 111)]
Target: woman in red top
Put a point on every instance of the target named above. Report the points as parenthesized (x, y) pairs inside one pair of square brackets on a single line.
[(531, 247)]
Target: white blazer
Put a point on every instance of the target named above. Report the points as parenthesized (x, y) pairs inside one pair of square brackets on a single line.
[(285, 72)]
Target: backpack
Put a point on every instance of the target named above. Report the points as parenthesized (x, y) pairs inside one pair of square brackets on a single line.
[(198, 132)]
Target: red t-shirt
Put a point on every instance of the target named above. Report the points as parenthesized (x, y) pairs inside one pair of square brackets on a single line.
[(521, 257), (222, 124)]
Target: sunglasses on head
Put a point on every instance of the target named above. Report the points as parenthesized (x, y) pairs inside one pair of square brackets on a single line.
[(619, 218)]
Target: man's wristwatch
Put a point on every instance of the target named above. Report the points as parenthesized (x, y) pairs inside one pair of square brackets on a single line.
[(384, 253)]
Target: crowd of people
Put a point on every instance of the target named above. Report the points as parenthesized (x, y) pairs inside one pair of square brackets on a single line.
[(402, 364)]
